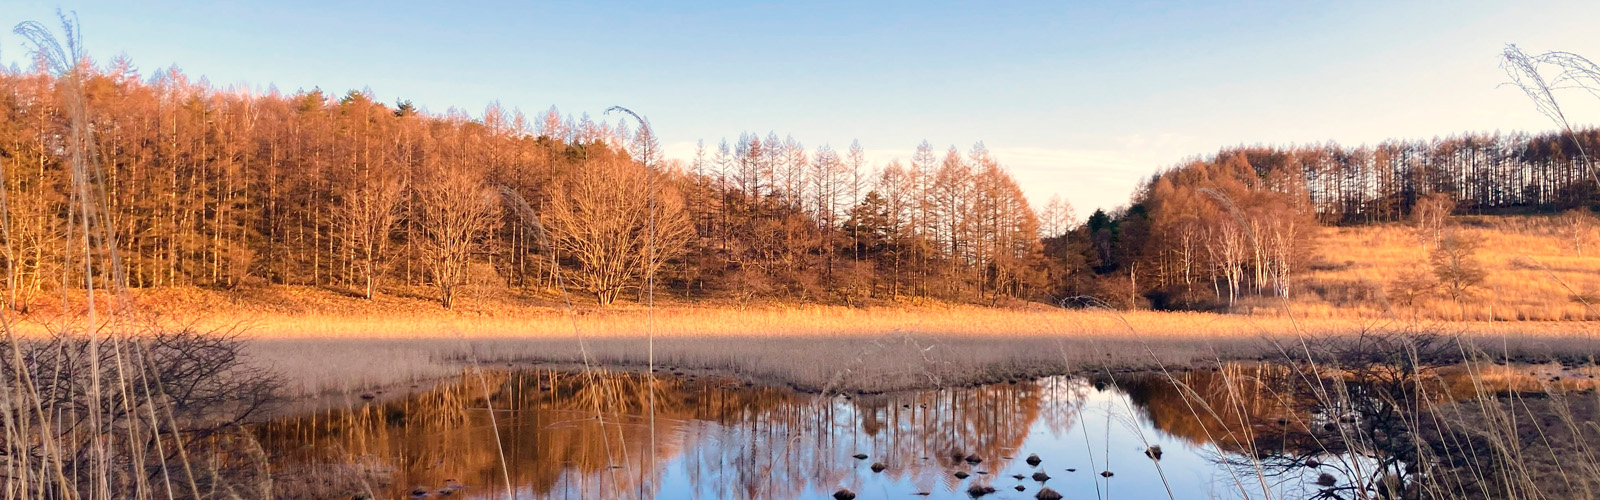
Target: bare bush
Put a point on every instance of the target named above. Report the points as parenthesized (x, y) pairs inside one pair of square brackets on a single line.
[(166, 399)]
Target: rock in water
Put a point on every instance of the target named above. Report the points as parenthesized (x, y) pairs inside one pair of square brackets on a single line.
[(961, 474), (1047, 494), (878, 467), (1034, 460), (1154, 452), (1041, 476), (844, 494), (1021, 488), (1107, 474), (859, 456), (978, 490), (974, 459)]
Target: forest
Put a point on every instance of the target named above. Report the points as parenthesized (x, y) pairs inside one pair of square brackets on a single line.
[(231, 188), (1211, 230), (234, 188)]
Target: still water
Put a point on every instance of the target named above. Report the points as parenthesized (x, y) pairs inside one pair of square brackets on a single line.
[(575, 435)]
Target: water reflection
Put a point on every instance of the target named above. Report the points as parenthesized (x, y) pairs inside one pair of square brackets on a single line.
[(567, 435)]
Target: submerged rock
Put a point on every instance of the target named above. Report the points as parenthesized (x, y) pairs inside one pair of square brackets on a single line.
[(1033, 459), (974, 459), (1018, 477), (1047, 494), (844, 494)]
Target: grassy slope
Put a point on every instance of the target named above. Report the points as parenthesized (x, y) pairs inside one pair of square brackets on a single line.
[(1534, 273)]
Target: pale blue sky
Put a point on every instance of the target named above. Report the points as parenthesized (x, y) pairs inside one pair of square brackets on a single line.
[(1079, 99)]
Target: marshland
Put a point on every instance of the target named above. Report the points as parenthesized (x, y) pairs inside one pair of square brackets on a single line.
[(241, 292)]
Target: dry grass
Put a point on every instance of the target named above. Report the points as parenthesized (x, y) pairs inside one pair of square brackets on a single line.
[(352, 345), (326, 342), (1534, 273)]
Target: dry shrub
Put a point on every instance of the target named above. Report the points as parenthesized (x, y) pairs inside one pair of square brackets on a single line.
[(132, 416)]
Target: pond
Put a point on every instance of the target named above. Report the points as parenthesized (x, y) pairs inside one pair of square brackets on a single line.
[(588, 435)]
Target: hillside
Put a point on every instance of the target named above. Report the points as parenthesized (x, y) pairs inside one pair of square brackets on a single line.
[(1532, 271)]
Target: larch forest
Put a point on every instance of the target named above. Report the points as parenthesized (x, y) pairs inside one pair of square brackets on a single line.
[(230, 188)]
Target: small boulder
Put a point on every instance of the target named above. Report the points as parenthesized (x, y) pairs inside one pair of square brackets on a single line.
[(1047, 494), (974, 459), (961, 474), (859, 456), (1033, 460), (1041, 476), (1154, 452), (878, 467), (1022, 488), (1107, 474), (1018, 477), (844, 494), (978, 490)]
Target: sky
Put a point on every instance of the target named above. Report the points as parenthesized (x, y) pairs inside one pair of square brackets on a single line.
[(1078, 99)]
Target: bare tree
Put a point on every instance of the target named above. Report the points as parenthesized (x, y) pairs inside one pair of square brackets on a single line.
[(369, 213), (1456, 266), (1578, 225), (600, 217), (1430, 217), (455, 209), (1057, 217)]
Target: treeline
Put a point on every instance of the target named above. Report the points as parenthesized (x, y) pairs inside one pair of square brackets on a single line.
[(1485, 174), (229, 188), (1209, 231)]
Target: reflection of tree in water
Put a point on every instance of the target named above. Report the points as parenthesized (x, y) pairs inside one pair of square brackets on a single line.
[(737, 442), (917, 436), (1370, 421), (1251, 416), (553, 444)]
